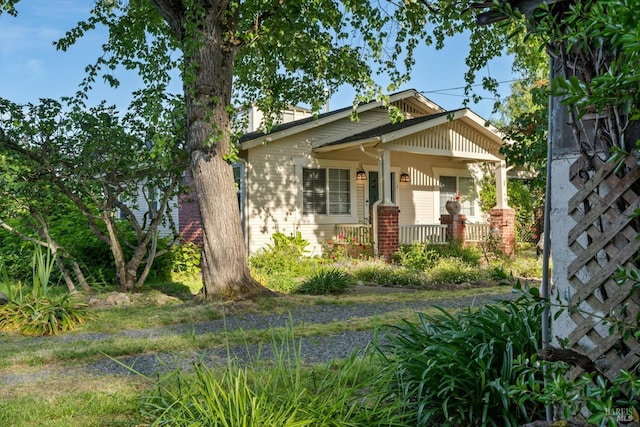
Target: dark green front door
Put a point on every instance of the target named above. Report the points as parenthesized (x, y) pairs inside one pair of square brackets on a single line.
[(374, 194)]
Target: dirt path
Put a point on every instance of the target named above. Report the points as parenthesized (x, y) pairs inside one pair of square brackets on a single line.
[(314, 349)]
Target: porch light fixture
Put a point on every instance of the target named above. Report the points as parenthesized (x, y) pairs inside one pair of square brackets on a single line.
[(361, 175), (404, 177)]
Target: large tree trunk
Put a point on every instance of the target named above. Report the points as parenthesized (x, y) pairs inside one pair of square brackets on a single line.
[(208, 85)]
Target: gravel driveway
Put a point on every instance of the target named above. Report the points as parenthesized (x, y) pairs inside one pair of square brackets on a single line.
[(314, 349)]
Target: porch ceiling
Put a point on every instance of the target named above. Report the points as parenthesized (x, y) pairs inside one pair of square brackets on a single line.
[(460, 134)]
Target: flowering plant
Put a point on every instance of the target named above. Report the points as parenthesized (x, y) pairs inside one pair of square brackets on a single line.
[(346, 246), (457, 197)]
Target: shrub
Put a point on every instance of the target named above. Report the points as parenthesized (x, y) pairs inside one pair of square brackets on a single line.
[(327, 282), (381, 274), (286, 254), (604, 402), (421, 256), (521, 266), (417, 256), (40, 311), (456, 369), (37, 316), (185, 258), (347, 246), (468, 254), (454, 271), (284, 282)]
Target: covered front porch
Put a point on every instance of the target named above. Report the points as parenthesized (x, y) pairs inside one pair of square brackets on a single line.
[(408, 171)]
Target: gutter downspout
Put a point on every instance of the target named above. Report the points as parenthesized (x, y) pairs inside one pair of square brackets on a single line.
[(374, 207)]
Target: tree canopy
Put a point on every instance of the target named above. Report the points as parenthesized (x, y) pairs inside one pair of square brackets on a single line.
[(233, 53), (98, 162)]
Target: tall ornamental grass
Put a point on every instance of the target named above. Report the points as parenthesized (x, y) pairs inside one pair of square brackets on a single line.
[(456, 369), (282, 392), (40, 311)]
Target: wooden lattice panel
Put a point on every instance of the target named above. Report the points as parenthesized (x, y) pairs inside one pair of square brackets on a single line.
[(603, 238)]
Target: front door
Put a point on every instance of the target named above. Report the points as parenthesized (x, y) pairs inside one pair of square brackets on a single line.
[(374, 195), (374, 191)]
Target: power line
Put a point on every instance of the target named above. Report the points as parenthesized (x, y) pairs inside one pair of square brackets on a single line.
[(464, 87)]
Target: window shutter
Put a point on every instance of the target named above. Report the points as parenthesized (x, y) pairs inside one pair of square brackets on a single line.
[(314, 192)]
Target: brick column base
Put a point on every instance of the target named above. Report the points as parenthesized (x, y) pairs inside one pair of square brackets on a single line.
[(502, 224), (388, 231), (456, 227)]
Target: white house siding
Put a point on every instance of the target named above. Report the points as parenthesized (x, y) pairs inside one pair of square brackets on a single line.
[(345, 127), (272, 191)]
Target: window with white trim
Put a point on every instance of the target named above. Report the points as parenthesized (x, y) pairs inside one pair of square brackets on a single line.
[(326, 191), (450, 186)]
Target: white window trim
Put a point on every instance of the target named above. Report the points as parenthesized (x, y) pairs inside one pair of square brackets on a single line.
[(301, 163)]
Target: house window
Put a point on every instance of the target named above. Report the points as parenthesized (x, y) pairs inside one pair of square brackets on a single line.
[(452, 185), (326, 191)]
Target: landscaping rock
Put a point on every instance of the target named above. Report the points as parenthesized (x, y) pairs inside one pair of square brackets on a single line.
[(115, 299), (3, 298)]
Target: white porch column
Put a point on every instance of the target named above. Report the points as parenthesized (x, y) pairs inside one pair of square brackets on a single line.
[(501, 184), (385, 173)]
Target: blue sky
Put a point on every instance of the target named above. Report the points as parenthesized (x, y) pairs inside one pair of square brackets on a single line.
[(31, 68)]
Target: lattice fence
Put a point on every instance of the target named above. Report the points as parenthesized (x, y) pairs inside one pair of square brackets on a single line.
[(603, 237)]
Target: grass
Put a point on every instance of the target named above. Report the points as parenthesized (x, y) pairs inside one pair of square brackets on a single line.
[(67, 396)]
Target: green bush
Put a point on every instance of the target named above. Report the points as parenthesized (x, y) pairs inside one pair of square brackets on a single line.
[(417, 256), (41, 311), (37, 316), (454, 271), (520, 266), (286, 254), (185, 258), (456, 369), (327, 282), (608, 402), (378, 273), (468, 254), (422, 256)]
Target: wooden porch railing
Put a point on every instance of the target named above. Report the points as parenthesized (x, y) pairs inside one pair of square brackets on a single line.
[(362, 232), (432, 233), (476, 232)]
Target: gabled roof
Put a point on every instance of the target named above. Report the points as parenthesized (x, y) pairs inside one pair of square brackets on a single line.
[(394, 131), (253, 139), (388, 128)]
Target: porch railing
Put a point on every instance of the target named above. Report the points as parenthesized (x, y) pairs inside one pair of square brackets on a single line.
[(362, 232), (476, 232), (433, 233)]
